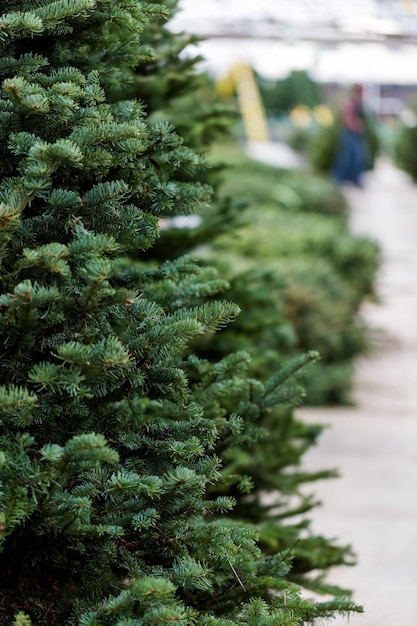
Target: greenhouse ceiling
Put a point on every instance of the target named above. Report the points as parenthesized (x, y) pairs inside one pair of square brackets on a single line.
[(316, 20), (368, 41)]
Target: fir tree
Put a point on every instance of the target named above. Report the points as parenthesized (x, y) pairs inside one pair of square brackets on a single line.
[(267, 463), (109, 434)]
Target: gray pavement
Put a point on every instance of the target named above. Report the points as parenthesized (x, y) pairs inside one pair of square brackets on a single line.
[(373, 444)]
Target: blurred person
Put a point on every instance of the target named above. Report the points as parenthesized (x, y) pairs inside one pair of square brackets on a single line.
[(351, 153)]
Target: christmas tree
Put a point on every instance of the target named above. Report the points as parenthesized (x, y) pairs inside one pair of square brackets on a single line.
[(269, 463), (111, 434)]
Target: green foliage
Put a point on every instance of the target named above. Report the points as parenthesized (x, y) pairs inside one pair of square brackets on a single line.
[(404, 150), (298, 275), (174, 90), (120, 448), (322, 148), (258, 183), (282, 95)]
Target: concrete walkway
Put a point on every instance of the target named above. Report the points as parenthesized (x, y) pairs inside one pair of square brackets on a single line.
[(373, 505)]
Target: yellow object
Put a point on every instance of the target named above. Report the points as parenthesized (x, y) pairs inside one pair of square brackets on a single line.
[(300, 116), (225, 86), (323, 115), (250, 103)]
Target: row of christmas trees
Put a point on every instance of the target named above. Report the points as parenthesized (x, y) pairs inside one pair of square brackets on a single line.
[(134, 471)]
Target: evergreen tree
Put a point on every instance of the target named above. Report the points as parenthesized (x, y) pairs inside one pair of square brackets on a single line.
[(282, 95), (404, 147), (109, 433), (186, 93)]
